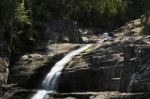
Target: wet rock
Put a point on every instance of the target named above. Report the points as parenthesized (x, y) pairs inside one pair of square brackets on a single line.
[(84, 80), (117, 95), (30, 69), (96, 71), (102, 69), (27, 94), (99, 95), (101, 79)]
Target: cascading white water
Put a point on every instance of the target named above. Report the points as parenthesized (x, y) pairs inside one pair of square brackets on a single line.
[(50, 82), (40, 94)]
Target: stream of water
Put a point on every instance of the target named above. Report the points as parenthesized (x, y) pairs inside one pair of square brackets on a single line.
[(50, 82)]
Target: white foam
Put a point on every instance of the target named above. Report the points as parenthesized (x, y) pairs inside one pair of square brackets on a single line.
[(50, 82), (40, 94)]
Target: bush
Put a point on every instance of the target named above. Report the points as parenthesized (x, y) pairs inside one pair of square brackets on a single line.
[(23, 36)]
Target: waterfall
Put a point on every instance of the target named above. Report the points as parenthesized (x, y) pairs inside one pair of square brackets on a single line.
[(50, 83)]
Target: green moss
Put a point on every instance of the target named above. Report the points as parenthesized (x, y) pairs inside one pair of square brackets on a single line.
[(142, 30)]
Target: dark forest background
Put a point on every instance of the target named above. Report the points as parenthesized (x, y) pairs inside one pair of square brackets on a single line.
[(17, 17)]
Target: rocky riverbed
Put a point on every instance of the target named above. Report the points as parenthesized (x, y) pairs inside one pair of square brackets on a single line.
[(118, 69)]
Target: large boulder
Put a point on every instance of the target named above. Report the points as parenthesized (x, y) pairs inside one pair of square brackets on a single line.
[(29, 69), (88, 80), (136, 70), (95, 71), (59, 31), (141, 77)]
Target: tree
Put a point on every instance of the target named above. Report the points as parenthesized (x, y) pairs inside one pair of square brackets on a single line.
[(147, 18)]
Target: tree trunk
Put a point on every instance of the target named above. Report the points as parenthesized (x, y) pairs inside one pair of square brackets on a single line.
[(147, 24)]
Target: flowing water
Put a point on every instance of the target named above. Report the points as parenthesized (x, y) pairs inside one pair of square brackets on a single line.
[(50, 82)]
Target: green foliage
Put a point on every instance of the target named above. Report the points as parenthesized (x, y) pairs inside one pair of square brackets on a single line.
[(20, 28), (81, 11), (90, 13), (112, 7), (20, 14), (142, 30), (104, 14), (24, 35), (16, 25)]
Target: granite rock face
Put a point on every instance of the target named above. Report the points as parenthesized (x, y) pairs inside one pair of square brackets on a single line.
[(136, 70), (118, 69), (96, 71), (29, 70), (121, 65)]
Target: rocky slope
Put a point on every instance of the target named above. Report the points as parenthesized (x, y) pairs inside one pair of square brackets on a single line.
[(118, 69), (4, 62)]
